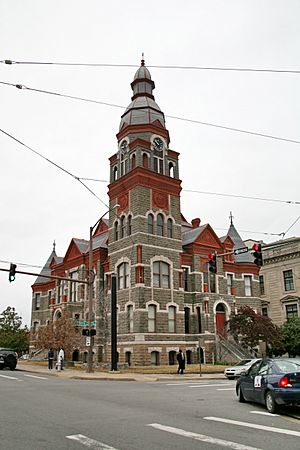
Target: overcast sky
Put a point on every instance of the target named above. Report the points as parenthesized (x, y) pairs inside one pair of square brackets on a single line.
[(40, 204)]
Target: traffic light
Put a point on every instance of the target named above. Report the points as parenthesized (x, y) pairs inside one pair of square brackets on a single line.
[(87, 332), (212, 262), (12, 272), (258, 259)]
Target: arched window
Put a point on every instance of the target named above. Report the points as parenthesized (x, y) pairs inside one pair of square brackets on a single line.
[(150, 224), (128, 358), (172, 358), (170, 228), (160, 224), (161, 274), (123, 276), (133, 161), (151, 318), (171, 169), (129, 225), (172, 319), (145, 160), (115, 173), (130, 318), (124, 163), (116, 231), (122, 226)]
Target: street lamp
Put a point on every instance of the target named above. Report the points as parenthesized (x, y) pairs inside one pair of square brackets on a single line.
[(91, 277)]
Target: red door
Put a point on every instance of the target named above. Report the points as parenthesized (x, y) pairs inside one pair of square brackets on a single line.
[(220, 323)]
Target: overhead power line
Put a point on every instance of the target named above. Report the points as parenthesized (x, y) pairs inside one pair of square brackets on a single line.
[(157, 66), (209, 124), (54, 164)]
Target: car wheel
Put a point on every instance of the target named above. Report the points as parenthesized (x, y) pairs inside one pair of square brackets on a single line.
[(1, 367), (270, 402), (230, 378), (12, 367), (240, 395)]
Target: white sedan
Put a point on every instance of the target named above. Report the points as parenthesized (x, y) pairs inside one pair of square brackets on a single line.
[(235, 371)]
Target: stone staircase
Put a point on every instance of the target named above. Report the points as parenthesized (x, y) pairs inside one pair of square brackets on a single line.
[(228, 349)]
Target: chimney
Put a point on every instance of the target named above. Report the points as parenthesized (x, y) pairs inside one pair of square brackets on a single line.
[(196, 222)]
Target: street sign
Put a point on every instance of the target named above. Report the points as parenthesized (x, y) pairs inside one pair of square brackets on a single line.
[(84, 323), (238, 251), (88, 341)]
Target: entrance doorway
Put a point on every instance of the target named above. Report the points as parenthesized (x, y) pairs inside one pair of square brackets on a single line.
[(221, 320)]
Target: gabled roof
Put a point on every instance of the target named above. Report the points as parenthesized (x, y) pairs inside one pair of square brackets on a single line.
[(189, 235)]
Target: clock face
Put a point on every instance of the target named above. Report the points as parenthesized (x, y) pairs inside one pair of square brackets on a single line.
[(158, 143), (124, 145)]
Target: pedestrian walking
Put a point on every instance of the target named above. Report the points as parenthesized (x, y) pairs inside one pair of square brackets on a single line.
[(50, 359), (60, 359), (181, 362)]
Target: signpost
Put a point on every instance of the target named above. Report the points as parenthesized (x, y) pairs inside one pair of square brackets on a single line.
[(238, 251)]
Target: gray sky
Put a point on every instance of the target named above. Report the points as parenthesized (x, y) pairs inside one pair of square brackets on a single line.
[(39, 203)]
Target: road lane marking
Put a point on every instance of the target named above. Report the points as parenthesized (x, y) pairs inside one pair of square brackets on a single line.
[(226, 389), (88, 442), (201, 437), (35, 376), (264, 413), (254, 425), (208, 385), (10, 378)]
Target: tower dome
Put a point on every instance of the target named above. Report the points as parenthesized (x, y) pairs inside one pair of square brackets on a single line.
[(143, 109)]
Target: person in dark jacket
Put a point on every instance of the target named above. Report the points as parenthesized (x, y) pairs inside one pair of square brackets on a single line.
[(50, 358), (181, 362)]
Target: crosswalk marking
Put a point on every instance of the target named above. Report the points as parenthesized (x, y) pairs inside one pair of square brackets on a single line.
[(226, 389), (264, 413), (88, 442), (254, 425), (208, 385), (10, 378), (35, 376), (201, 437)]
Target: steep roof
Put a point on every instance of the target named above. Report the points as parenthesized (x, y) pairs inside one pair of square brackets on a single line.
[(239, 243), (46, 270)]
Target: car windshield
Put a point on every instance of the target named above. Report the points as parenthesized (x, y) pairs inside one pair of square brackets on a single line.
[(288, 366), (243, 362)]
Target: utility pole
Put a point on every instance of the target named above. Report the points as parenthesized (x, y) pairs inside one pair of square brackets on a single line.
[(113, 315), (91, 278)]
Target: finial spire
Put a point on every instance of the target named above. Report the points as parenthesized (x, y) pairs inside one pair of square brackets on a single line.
[(54, 244), (231, 218), (143, 60)]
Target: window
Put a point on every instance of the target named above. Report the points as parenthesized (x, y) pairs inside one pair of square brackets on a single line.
[(261, 285), (160, 224), (170, 228), (145, 160), (172, 319), (60, 291), (199, 319), (116, 231), (248, 285), (123, 276), (212, 282), (186, 320), (229, 283), (133, 161), (37, 301), (154, 359), (264, 311), (185, 274), (171, 170), (129, 225), (150, 224), (161, 275), (130, 318), (115, 173), (124, 163), (158, 165), (73, 287), (288, 280), (122, 226), (35, 327), (151, 318), (291, 311)]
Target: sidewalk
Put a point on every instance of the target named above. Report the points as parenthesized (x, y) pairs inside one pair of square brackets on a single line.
[(77, 374)]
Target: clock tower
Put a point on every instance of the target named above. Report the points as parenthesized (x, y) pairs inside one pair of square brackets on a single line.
[(145, 243)]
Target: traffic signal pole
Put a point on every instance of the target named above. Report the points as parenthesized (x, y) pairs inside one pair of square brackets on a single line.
[(89, 368)]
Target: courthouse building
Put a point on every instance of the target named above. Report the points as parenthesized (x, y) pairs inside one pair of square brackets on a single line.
[(166, 296)]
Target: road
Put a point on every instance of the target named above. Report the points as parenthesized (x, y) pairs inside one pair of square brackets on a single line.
[(40, 412)]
